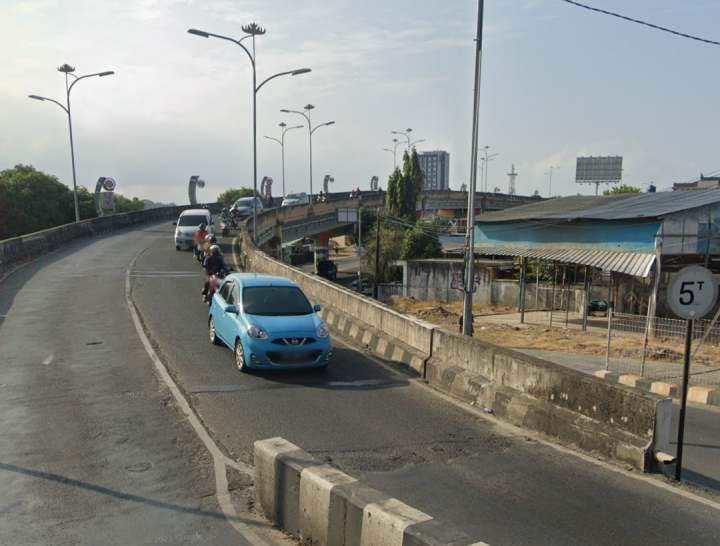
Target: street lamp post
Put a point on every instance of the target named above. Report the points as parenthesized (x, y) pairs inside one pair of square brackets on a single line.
[(394, 152), (285, 129), (68, 70), (550, 175), (415, 142), (405, 134), (251, 30), (307, 108), (485, 169)]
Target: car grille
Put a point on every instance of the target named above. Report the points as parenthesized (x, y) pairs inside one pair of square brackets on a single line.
[(294, 341), (293, 357)]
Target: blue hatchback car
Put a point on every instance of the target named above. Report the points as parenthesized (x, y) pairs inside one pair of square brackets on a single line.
[(269, 323)]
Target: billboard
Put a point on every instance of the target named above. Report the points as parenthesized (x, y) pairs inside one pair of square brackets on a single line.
[(598, 170)]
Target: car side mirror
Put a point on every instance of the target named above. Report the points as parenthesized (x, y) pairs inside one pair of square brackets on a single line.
[(317, 307), (174, 223), (231, 309)]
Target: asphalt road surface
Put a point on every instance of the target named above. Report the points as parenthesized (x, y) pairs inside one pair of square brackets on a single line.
[(94, 447)]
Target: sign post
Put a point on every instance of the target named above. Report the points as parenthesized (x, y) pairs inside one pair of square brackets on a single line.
[(691, 294)]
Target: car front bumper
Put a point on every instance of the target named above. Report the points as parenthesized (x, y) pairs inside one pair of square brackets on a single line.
[(264, 354)]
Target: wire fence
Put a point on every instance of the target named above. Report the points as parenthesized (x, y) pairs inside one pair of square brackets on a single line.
[(654, 349)]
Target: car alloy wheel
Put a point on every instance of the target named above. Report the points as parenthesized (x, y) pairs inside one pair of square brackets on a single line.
[(240, 357), (213, 335)]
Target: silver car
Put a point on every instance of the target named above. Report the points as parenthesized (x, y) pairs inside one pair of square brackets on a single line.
[(244, 206)]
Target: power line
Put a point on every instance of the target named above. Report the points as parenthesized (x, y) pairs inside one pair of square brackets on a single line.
[(675, 32)]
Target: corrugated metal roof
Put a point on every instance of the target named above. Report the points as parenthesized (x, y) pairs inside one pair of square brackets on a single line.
[(628, 206), (630, 263)]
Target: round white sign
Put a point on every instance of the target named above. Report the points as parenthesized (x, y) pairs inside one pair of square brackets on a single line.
[(692, 292)]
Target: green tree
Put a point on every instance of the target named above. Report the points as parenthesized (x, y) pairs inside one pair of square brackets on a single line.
[(31, 201), (421, 243), (622, 188), (391, 240), (404, 188), (232, 195)]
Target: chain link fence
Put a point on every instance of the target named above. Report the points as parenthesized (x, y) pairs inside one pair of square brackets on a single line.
[(654, 349)]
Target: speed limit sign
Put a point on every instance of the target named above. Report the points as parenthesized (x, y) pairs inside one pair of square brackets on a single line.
[(692, 292)]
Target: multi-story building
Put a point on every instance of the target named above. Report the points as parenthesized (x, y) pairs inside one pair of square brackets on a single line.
[(705, 183), (437, 169)]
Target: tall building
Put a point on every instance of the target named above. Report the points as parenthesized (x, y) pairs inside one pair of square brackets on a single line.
[(705, 183), (437, 169)]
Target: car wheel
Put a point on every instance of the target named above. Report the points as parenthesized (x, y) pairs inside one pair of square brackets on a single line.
[(213, 335), (177, 247), (240, 357)]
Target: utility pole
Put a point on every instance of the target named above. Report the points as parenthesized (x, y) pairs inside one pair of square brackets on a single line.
[(470, 256), (359, 251), (377, 255)]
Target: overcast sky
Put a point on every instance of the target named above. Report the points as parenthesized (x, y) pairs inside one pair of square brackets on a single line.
[(557, 82)]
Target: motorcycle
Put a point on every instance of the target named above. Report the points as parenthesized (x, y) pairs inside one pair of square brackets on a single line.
[(214, 282), (225, 226)]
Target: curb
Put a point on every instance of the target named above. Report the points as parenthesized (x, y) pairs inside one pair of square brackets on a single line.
[(696, 394), (379, 342), (318, 504)]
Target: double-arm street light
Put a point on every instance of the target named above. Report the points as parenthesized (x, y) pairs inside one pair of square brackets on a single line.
[(251, 30), (68, 70), (307, 108), (485, 164), (415, 142), (405, 134), (281, 141), (394, 152), (550, 175)]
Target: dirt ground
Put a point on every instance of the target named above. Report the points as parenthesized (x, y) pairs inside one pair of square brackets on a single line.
[(530, 336)]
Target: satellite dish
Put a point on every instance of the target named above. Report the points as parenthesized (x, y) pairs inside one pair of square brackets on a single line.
[(108, 184)]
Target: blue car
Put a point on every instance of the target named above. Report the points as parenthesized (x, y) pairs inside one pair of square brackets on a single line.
[(269, 323)]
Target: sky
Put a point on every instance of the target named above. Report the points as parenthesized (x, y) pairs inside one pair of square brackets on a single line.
[(558, 82)]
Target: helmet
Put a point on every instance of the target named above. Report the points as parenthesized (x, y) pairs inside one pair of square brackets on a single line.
[(202, 227), (225, 209), (211, 239), (215, 250)]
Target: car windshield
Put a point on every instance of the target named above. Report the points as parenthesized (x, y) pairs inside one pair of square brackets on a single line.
[(275, 301), (293, 196), (245, 202), (192, 220)]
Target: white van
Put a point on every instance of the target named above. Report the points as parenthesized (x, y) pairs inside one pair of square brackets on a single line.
[(188, 224)]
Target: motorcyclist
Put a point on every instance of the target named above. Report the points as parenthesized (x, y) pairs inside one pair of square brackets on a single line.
[(213, 265), (225, 214), (199, 239), (210, 240)]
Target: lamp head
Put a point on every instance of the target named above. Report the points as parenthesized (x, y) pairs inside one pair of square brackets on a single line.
[(285, 111), (301, 71), (36, 97), (308, 106), (282, 123), (106, 73), (66, 68), (197, 32)]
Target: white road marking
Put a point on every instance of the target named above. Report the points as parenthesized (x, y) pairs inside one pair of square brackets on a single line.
[(219, 459), (48, 359)]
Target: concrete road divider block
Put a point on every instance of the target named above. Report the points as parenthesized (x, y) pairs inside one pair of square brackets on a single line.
[(278, 467), (316, 484), (384, 523), (320, 505)]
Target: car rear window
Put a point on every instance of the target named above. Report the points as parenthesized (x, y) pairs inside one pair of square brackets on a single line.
[(275, 301), (192, 220), (246, 202)]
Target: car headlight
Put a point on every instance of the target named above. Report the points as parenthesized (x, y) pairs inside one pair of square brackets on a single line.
[(256, 332), (322, 330)]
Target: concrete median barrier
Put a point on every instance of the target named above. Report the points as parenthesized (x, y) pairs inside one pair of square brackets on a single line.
[(318, 504)]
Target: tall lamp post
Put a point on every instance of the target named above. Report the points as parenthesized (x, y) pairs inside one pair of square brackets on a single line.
[(550, 175), (251, 30), (405, 134), (415, 142), (485, 169), (68, 70), (281, 141), (307, 108), (394, 152)]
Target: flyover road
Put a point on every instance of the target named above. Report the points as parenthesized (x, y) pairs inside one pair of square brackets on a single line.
[(94, 449), (397, 435)]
